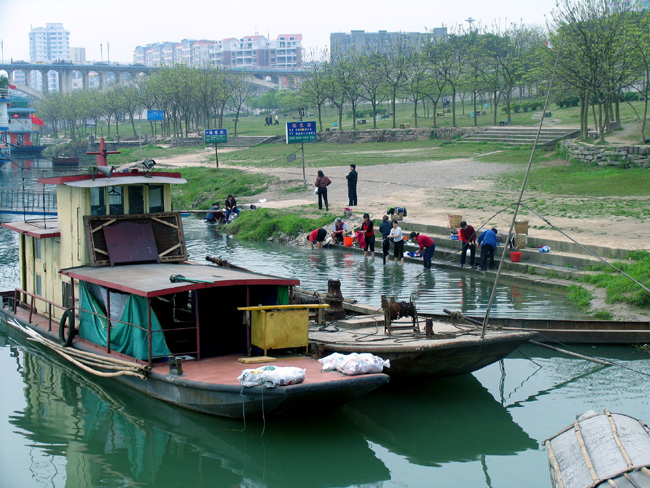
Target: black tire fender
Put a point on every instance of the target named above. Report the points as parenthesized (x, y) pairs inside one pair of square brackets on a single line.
[(67, 322)]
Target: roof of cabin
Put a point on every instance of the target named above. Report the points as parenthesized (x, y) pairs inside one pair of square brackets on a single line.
[(150, 280), (39, 229), (133, 177)]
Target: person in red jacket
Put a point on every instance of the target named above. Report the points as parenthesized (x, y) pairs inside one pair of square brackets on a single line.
[(317, 236), (369, 236), (467, 238), (426, 243)]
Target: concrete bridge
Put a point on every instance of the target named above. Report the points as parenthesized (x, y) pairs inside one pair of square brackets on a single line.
[(263, 77)]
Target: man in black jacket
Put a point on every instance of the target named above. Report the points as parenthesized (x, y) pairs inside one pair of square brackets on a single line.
[(352, 185)]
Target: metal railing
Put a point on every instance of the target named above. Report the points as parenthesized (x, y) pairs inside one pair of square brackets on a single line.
[(18, 200)]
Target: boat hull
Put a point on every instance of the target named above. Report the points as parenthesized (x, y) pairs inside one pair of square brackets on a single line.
[(569, 331), (225, 400), (416, 358)]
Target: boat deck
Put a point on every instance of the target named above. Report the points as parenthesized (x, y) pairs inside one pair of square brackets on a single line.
[(216, 370), (358, 331), (225, 369)]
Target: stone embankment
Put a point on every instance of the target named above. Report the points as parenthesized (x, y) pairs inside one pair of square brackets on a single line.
[(392, 135), (625, 156)]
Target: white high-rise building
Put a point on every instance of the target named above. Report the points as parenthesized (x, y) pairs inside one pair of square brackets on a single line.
[(48, 44)]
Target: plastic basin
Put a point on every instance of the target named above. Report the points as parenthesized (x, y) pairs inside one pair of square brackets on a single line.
[(515, 256), (348, 241)]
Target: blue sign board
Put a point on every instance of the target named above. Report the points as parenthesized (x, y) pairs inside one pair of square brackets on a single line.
[(154, 114), (301, 132), (214, 136)]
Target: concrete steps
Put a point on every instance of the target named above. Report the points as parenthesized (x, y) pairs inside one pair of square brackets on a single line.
[(520, 136), (566, 259)]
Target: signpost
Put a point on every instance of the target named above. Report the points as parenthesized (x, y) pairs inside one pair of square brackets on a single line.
[(154, 116), (301, 132), (215, 136)]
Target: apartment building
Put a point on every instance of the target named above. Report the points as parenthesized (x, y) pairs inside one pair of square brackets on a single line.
[(47, 45), (256, 51)]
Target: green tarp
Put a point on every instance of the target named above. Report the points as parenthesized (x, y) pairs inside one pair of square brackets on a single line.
[(127, 339)]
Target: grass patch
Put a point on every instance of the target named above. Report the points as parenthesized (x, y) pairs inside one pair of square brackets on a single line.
[(371, 153), (580, 296), (208, 185), (264, 223), (619, 288), (603, 315)]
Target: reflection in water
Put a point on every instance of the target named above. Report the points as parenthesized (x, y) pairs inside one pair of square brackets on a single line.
[(443, 421), (110, 435)]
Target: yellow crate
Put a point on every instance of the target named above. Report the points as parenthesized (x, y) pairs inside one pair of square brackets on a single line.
[(279, 329)]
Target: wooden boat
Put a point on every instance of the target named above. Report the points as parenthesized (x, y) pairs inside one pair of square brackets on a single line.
[(111, 281), (601, 450), (572, 331), (65, 161), (447, 350)]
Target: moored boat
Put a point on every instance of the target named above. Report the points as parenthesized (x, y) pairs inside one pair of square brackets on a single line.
[(415, 348), (110, 280), (599, 450), (65, 161)]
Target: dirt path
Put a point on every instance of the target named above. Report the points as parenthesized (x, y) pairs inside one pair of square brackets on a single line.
[(429, 190)]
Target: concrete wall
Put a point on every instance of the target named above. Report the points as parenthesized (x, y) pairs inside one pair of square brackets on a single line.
[(626, 156)]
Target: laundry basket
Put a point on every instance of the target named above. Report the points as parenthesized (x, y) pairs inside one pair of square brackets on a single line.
[(521, 226), (454, 221)]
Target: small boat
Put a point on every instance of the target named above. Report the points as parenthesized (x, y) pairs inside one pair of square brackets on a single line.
[(572, 331), (109, 287), (65, 161), (601, 450), (442, 349)]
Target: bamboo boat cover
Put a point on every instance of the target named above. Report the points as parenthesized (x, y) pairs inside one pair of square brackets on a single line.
[(601, 450)]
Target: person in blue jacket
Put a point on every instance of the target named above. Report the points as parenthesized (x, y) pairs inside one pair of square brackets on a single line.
[(488, 242)]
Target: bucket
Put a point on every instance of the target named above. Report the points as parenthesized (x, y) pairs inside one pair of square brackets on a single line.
[(348, 241), (515, 256), (521, 226)]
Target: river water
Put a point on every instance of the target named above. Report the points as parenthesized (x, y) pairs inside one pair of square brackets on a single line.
[(63, 428)]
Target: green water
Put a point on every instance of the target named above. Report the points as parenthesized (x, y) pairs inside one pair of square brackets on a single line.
[(62, 428)]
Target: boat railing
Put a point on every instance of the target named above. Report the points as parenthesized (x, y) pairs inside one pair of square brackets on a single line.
[(31, 306), (18, 199)]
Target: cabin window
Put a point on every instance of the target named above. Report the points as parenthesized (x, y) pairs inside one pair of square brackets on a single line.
[(39, 286), (97, 201), (115, 200), (66, 294), (156, 203), (37, 248), (136, 199)]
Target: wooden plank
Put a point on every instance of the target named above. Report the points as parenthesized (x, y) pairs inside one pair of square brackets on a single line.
[(257, 359), (283, 307)]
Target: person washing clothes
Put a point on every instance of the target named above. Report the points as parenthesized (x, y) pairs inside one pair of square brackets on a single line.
[(467, 237), (398, 241), (339, 230), (231, 206), (317, 236), (369, 237), (488, 241), (426, 243), (385, 228)]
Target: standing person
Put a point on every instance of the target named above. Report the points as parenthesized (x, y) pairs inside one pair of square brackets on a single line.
[(398, 241), (385, 228), (467, 237), (369, 236), (277, 122), (426, 243), (352, 185), (322, 182), (488, 242), (339, 230), (231, 206), (317, 236)]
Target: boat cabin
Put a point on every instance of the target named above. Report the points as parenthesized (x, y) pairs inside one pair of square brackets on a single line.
[(116, 255)]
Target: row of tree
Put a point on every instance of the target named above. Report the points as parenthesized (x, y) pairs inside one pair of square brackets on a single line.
[(593, 51), (189, 98)]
